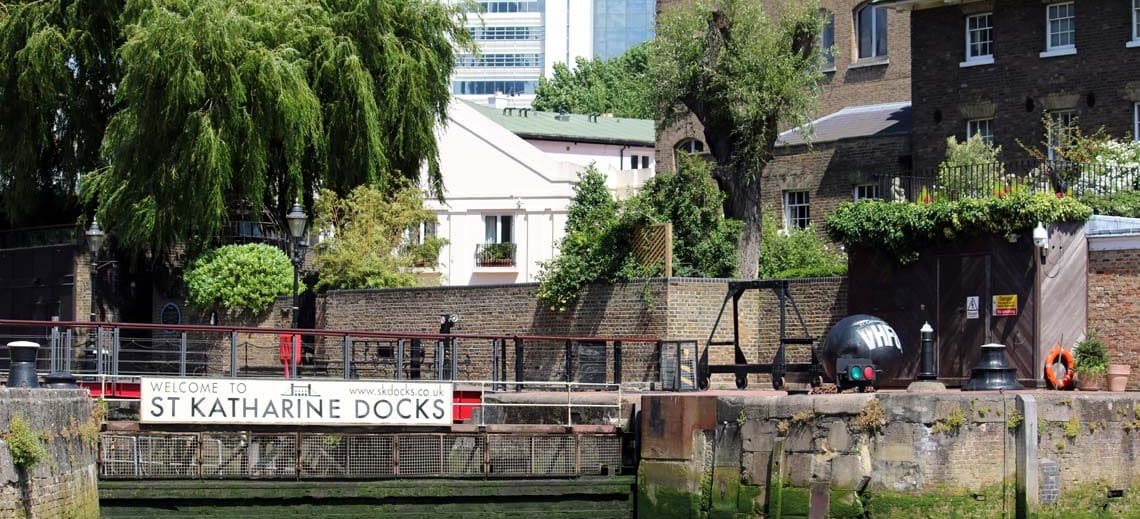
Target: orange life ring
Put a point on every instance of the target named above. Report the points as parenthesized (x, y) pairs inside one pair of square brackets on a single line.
[(1066, 358)]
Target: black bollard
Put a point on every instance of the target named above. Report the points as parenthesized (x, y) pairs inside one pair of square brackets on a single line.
[(23, 370), (927, 340), (60, 380)]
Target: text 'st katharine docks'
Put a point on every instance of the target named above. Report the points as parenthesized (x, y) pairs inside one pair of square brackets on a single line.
[(315, 402)]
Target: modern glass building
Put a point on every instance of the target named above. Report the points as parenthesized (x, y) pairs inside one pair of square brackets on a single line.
[(621, 24)]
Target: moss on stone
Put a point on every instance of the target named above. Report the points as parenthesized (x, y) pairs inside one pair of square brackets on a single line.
[(935, 504), (845, 504)]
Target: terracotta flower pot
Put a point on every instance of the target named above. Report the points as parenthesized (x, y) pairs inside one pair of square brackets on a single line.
[(1089, 381), (1118, 376)]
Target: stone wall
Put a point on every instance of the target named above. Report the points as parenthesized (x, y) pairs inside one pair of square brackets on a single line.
[(63, 483), (891, 455), (1114, 304)]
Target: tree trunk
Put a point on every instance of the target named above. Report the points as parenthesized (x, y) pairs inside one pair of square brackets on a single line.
[(743, 203)]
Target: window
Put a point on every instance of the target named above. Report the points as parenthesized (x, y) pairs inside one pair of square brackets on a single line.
[(416, 235), (497, 228), (1135, 24), (690, 146), (827, 40), (871, 27), (796, 211), (980, 127), (866, 192), (506, 33), (639, 161), (1061, 125), (979, 38), (1062, 26), (491, 87), (500, 60), (519, 6)]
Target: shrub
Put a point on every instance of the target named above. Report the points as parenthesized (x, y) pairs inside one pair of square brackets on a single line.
[(24, 444), (1091, 355), (1122, 203), (243, 278), (372, 238), (899, 230), (797, 253), (971, 168)]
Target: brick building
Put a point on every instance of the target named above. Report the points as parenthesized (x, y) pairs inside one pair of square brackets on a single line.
[(867, 67), (999, 67)]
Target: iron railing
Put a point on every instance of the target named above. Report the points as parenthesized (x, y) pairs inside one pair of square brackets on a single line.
[(315, 456), (495, 254), (111, 353), (1001, 178), (45, 236)]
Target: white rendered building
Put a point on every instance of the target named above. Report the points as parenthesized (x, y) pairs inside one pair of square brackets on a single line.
[(509, 175), (521, 40)]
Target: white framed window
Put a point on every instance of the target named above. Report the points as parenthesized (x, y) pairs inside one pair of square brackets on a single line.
[(639, 162), (979, 38), (1061, 125), (1135, 42), (417, 235), (827, 40), (1060, 29), (981, 128), (498, 228), (690, 146), (867, 192), (797, 210), (871, 30)]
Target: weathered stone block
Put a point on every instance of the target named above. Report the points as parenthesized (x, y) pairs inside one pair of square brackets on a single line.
[(1054, 410), (842, 404), (847, 471), (755, 466), (792, 405), (838, 437), (907, 408), (801, 438), (757, 435), (799, 469)]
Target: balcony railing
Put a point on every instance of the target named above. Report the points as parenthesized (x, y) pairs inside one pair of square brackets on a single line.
[(1000, 178), (495, 255)]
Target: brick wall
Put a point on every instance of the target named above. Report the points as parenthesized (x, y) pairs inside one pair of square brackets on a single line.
[(63, 483), (886, 82), (830, 171), (677, 309), (1114, 304), (1100, 82)]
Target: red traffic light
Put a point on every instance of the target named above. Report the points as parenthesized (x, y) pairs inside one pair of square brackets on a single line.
[(868, 373)]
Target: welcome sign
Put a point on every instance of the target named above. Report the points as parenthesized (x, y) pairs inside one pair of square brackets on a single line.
[(294, 402)]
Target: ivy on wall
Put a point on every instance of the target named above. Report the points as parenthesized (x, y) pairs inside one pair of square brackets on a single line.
[(900, 230)]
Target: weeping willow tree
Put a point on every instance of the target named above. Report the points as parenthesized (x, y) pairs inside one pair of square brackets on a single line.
[(208, 102), (57, 77)]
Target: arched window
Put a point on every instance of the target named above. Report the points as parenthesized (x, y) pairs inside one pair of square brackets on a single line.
[(690, 146), (827, 39), (871, 31)]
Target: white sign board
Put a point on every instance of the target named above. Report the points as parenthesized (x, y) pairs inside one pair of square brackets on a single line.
[(971, 307), (294, 402)]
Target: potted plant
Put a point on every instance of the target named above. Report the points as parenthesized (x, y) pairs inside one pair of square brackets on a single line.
[(1091, 362)]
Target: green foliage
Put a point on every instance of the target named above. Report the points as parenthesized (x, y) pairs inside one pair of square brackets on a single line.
[(951, 423), (1090, 355), (741, 73), (1014, 420), (797, 253), (971, 169), (620, 86), (1121, 203), (242, 278), (872, 418), (899, 230), (1072, 428), (368, 241), (600, 232), (25, 446), (174, 109), (704, 241)]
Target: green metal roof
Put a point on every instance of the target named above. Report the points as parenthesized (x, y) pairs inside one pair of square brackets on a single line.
[(530, 124)]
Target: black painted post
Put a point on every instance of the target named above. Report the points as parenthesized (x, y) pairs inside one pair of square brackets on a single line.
[(927, 339), (568, 357)]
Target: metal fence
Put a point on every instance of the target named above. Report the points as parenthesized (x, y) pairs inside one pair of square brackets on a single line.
[(123, 352), (301, 455), (1000, 178)]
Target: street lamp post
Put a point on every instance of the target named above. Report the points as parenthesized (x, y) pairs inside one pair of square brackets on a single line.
[(95, 237), (297, 220)]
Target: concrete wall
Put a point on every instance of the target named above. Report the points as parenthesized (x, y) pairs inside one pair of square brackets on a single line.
[(889, 455), (1114, 304), (63, 483)]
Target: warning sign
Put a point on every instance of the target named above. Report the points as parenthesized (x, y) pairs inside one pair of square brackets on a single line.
[(1005, 305), (972, 307)]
